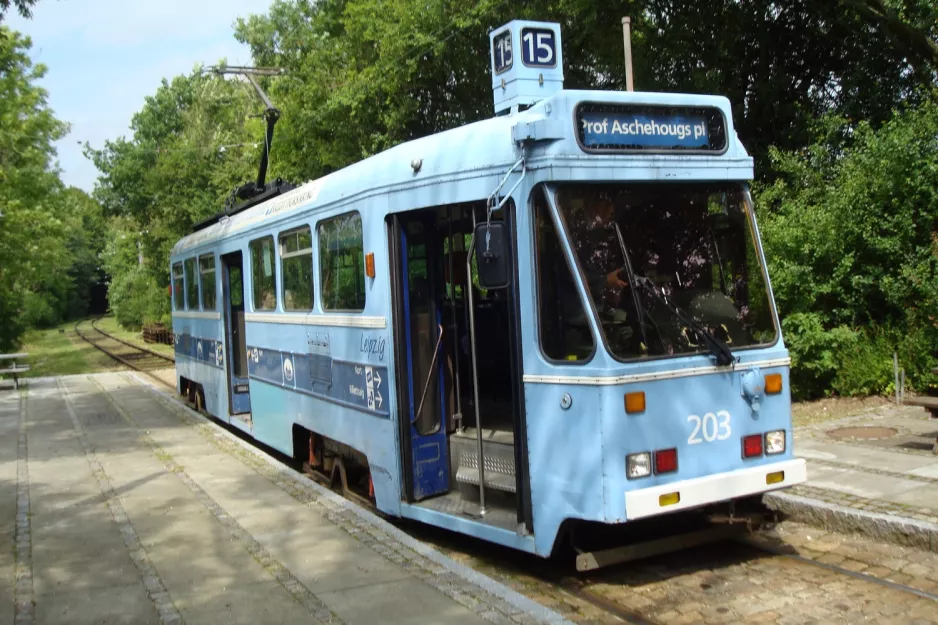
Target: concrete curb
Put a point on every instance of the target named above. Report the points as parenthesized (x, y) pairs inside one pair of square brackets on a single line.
[(517, 600), (885, 527)]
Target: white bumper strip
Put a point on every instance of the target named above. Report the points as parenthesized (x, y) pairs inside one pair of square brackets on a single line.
[(704, 490)]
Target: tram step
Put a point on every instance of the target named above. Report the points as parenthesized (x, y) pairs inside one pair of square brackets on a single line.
[(498, 481), (499, 463)]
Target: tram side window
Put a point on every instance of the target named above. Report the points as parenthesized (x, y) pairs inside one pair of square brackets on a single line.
[(296, 262), (207, 269), (342, 263), (264, 274), (192, 285), (178, 301), (564, 326)]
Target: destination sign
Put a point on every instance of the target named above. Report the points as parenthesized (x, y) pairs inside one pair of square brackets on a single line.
[(621, 128)]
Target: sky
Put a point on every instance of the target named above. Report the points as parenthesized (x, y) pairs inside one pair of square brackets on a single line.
[(105, 56)]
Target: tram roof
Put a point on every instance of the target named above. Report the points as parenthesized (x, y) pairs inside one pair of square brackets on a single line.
[(489, 147)]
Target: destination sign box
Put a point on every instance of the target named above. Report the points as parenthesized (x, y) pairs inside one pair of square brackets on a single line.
[(626, 128)]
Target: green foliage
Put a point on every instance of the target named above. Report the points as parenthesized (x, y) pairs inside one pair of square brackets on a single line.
[(833, 100), (364, 75), (815, 352), (852, 239), (135, 299), (38, 215), (192, 144), (23, 7)]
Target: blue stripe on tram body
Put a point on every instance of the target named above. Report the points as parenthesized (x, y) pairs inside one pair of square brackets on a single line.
[(206, 351), (354, 385)]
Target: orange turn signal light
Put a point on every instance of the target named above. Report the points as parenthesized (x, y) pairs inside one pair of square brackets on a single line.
[(635, 402), (773, 383), (370, 264)]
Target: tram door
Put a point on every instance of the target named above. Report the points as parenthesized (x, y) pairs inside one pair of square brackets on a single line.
[(420, 377), (233, 285)]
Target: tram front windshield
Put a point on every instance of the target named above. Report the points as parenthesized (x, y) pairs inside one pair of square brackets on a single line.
[(669, 267)]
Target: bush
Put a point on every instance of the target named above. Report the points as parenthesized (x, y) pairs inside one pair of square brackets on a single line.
[(816, 353), (844, 361), (136, 299), (851, 242)]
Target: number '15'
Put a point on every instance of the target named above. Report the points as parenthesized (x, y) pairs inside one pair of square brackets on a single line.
[(543, 44)]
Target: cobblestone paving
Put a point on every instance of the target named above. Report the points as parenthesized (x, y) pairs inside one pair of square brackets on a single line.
[(915, 432), (488, 605), (729, 582), (726, 583), (734, 584), (903, 565)]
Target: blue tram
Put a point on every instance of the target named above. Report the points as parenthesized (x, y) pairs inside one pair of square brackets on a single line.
[(559, 314)]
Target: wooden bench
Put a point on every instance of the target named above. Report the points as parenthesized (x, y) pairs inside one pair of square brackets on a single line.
[(13, 368)]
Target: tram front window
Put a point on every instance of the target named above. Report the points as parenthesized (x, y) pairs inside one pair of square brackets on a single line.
[(669, 267)]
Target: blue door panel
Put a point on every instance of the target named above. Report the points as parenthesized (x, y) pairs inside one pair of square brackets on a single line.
[(429, 458)]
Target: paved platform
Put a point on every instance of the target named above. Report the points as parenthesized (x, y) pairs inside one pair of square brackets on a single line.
[(118, 505), (874, 472)]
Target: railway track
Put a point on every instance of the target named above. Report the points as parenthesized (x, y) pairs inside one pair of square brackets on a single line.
[(592, 588), (131, 356), (714, 575)]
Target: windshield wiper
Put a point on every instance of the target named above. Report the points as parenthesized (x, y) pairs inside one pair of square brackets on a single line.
[(631, 276), (719, 349)]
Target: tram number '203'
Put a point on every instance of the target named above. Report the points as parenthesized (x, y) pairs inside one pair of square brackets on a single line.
[(714, 427)]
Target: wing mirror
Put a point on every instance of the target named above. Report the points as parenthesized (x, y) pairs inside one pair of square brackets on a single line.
[(492, 255)]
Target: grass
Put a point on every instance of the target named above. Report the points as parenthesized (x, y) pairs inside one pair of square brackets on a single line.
[(60, 351), (110, 325)]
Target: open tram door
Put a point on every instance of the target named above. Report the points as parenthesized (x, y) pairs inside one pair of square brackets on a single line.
[(418, 335), (435, 304), (239, 398)]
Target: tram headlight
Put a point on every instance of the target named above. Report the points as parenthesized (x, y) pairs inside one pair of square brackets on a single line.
[(638, 465), (775, 442)]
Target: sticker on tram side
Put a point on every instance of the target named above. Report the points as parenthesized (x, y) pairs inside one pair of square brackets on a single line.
[(206, 351), (350, 384)]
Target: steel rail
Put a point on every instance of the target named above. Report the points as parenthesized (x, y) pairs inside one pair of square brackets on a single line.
[(128, 344), (118, 358), (785, 553)]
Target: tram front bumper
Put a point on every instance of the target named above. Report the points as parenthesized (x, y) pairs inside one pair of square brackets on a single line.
[(701, 491)]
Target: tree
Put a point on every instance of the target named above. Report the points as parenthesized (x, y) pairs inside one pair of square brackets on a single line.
[(193, 142), (365, 75), (852, 244), (911, 24), (24, 7), (31, 232)]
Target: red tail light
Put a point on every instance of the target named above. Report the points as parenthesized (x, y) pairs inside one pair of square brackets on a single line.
[(752, 446), (665, 461)]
